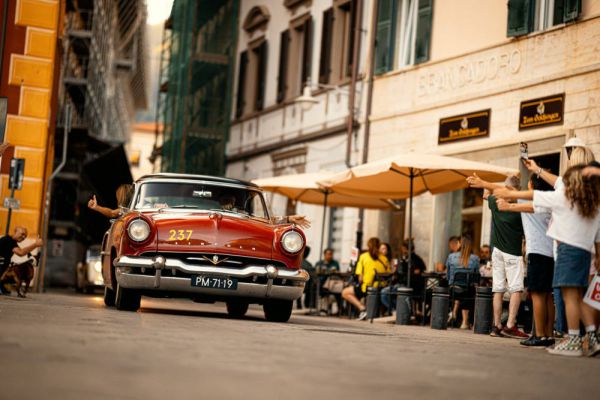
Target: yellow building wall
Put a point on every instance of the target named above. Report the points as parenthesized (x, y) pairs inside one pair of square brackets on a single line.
[(28, 130)]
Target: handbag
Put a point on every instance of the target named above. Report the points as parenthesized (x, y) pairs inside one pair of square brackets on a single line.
[(592, 295), (333, 285)]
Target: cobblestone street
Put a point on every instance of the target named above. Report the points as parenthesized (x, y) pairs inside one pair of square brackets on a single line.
[(60, 345)]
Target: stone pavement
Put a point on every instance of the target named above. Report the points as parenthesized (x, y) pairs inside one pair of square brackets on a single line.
[(66, 346)]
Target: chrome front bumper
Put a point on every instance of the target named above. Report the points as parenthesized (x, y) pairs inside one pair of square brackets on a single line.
[(283, 284)]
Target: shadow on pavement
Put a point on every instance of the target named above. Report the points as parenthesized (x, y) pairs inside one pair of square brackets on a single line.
[(195, 313)]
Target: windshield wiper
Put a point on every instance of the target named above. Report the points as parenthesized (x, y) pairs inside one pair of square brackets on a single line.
[(182, 206)]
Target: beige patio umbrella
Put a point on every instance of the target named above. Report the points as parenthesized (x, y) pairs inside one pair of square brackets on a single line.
[(304, 188), (410, 174)]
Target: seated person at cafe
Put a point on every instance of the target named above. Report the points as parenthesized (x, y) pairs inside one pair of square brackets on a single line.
[(463, 260), (309, 290), (453, 247), (324, 268), (416, 282), (369, 263)]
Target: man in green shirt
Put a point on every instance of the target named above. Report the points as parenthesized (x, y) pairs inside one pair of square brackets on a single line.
[(508, 272)]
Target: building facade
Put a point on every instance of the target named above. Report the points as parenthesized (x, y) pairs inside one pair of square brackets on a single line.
[(102, 80), (284, 47), (473, 79), (29, 68)]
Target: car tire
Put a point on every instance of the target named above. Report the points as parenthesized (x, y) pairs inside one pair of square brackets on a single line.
[(127, 299), (278, 310), (109, 297), (237, 309)]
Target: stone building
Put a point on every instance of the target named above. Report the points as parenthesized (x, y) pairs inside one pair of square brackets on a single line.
[(473, 79), (284, 47)]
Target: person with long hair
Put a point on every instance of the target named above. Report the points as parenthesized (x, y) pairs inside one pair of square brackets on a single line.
[(575, 207), (462, 260), (368, 264)]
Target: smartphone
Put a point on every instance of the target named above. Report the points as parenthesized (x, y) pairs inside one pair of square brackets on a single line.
[(524, 151)]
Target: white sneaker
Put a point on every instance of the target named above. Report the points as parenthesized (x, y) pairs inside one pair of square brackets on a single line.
[(593, 344), (362, 316), (569, 346)]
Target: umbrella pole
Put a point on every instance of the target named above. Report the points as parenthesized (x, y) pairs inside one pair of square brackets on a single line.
[(410, 243), (317, 297)]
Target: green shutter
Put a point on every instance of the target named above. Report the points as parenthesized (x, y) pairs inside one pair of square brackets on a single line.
[(423, 39), (283, 65), (261, 77), (572, 10), (385, 35), (559, 12), (326, 38), (307, 52), (240, 101), (520, 17)]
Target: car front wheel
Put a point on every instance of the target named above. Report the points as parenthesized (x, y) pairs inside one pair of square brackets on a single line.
[(237, 310), (127, 299), (109, 297), (278, 310)]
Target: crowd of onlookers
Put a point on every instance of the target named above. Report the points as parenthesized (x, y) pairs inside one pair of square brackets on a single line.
[(544, 245)]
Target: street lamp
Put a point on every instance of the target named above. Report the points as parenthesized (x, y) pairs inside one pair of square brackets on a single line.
[(307, 100)]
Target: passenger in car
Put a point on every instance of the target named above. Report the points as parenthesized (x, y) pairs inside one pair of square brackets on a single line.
[(123, 194)]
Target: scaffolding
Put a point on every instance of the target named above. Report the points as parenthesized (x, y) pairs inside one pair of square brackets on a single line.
[(196, 82)]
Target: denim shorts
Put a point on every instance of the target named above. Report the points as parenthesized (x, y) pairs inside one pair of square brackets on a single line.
[(572, 266)]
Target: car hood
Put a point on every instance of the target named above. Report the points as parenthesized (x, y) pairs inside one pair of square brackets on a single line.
[(213, 232)]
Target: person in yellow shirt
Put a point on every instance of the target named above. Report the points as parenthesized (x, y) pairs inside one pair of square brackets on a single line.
[(368, 264)]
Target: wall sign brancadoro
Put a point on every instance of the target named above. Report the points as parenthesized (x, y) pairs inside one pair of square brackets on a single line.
[(542, 112), (466, 126)]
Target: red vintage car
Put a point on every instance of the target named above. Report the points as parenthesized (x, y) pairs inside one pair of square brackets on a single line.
[(205, 238)]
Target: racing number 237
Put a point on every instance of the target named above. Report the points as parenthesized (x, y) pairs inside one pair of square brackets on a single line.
[(179, 234)]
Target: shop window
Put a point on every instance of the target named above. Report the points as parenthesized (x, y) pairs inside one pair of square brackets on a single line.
[(403, 33), (525, 16)]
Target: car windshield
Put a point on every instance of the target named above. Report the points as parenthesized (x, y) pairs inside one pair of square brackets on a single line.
[(202, 197)]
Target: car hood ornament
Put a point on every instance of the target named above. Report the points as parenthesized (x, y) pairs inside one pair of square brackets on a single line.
[(215, 259)]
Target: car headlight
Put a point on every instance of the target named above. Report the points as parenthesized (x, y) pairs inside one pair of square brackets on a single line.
[(98, 266), (292, 242), (138, 230)]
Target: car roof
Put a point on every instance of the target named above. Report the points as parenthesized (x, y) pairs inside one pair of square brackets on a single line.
[(188, 177)]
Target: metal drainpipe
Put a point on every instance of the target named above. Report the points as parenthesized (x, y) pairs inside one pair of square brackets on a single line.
[(66, 130), (354, 78), (365, 154)]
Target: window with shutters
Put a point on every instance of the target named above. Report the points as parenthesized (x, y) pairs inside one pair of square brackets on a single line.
[(413, 31), (299, 58), (526, 16), (252, 78), (337, 42), (403, 33)]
